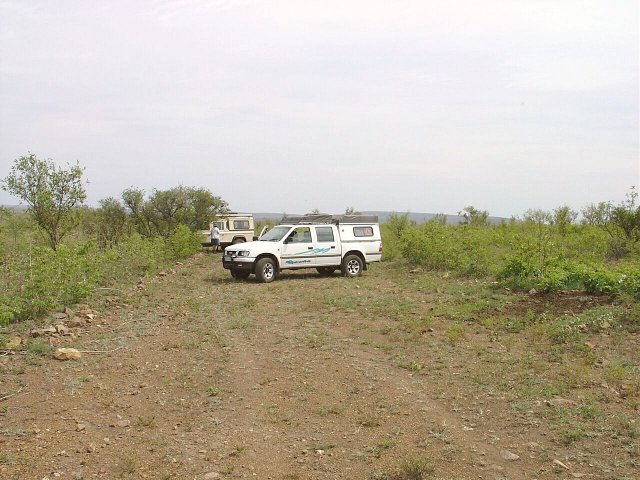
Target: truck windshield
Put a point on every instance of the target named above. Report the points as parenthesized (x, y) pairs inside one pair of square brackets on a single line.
[(275, 234)]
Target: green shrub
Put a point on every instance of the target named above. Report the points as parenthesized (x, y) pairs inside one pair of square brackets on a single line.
[(454, 332), (532, 254), (414, 247), (38, 348), (562, 331), (414, 468), (390, 244), (558, 273), (473, 257), (133, 257), (430, 245), (466, 250), (182, 243), (38, 279), (398, 224)]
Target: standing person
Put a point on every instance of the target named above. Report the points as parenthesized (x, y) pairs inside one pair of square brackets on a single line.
[(215, 238)]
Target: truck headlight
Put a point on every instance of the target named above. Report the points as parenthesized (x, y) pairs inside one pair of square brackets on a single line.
[(243, 253)]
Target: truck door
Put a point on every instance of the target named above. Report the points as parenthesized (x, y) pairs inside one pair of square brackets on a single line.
[(298, 249), (327, 251)]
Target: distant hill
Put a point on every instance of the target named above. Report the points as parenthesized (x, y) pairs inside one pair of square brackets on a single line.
[(15, 208), (384, 216)]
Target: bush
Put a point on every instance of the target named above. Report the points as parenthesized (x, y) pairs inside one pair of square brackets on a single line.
[(473, 256), (618, 280), (390, 243), (391, 232), (535, 253), (430, 245), (463, 249), (133, 257), (398, 224), (182, 243), (38, 279)]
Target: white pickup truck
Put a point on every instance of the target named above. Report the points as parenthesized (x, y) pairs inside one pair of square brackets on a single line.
[(324, 242)]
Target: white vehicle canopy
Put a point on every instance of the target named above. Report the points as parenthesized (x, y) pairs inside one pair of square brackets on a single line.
[(327, 218)]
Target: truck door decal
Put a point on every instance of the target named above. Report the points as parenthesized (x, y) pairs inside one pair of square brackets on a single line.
[(315, 251)]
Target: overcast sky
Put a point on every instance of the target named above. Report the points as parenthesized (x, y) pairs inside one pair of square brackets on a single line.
[(287, 106)]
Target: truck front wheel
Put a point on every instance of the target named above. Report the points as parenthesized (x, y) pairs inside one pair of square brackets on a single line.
[(266, 270), (352, 266)]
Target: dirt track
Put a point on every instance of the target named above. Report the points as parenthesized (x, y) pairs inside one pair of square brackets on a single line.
[(200, 375)]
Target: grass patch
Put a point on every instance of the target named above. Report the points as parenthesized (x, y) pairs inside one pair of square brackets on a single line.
[(241, 323), (413, 468), (341, 302), (573, 435), (369, 422), (214, 391), (454, 333), (326, 410), (38, 348)]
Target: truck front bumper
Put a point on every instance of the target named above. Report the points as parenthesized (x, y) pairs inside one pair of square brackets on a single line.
[(244, 264)]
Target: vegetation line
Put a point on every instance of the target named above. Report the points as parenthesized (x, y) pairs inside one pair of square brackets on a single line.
[(60, 252)]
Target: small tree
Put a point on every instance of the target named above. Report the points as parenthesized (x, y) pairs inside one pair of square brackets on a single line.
[(621, 222), (472, 216), (112, 222), (170, 208), (164, 210), (626, 216), (398, 224), (51, 192), (204, 207), (563, 218), (538, 222), (133, 199), (596, 214)]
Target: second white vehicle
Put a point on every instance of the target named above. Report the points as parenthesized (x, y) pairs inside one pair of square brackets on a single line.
[(324, 242), (234, 228)]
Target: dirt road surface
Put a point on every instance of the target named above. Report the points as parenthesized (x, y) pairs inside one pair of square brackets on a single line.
[(192, 375)]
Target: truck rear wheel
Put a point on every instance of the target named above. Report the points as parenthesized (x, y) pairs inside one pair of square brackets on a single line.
[(352, 266), (237, 241), (266, 270)]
